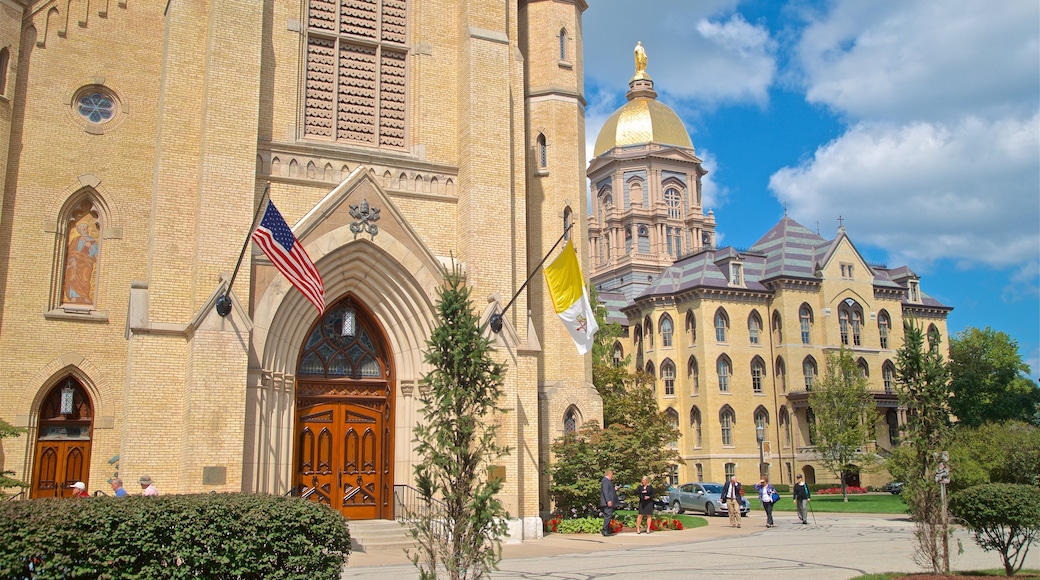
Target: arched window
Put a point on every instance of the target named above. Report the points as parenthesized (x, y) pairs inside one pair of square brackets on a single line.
[(695, 426), (721, 325), (568, 217), (5, 62), (758, 371), (727, 418), (761, 418), (619, 354), (810, 423), (850, 319), (570, 421), (543, 152), (884, 328), (637, 337), (725, 369), (635, 192), (82, 254), (666, 330), (668, 376), (778, 328), (892, 420), (691, 327), (805, 318), (754, 324), (650, 368), (608, 201), (888, 373), (809, 370), (672, 200), (563, 44), (785, 426), (648, 332), (693, 375), (864, 369), (781, 374), (673, 422), (933, 337)]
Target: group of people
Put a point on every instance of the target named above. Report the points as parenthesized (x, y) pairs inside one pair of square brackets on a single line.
[(147, 487), (732, 491)]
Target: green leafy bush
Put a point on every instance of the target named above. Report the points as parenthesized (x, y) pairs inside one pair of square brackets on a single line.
[(782, 487), (227, 536), (1004, 517), (581, 526)]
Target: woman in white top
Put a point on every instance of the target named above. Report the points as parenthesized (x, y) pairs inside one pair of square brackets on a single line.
[(765, 494)]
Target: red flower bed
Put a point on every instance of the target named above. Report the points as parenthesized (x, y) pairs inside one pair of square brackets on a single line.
[(553, 524), (837, 490)]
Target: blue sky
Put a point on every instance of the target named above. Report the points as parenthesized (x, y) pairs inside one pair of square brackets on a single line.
[(917, 121)]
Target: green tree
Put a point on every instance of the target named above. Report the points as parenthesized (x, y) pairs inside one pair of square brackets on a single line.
[(635, 442), (989, 381), (994, 453), (8, 430), (460, 527), (844, 410), (1003, 517), (922, 379)]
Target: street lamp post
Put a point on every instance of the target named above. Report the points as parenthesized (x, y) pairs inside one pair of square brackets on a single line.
[(760, 435)]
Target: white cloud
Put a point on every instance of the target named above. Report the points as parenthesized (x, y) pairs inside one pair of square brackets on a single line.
[(691, 56), (924, 191), (1025, 285), (920, 59)]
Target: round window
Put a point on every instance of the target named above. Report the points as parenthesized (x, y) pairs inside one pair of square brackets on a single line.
[(95, 105)]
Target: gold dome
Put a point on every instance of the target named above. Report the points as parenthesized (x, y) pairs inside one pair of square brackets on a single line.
[(642, 120)]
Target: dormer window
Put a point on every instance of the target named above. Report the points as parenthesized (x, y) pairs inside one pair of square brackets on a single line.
[(736, 274), (913, 291)]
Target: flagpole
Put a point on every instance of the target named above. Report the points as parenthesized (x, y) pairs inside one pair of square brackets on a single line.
[(224, 301), (495, 321)]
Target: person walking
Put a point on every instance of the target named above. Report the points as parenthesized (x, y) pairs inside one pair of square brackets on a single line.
[(802, 497), (117, 487), (645, 491), (767, 495), (608, 500), (147, 486), (732, 491)]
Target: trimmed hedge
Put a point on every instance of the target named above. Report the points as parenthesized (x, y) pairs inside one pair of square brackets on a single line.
[(225, 536)]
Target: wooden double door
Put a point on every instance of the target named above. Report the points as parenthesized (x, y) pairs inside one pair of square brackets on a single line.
[(343, 449), (63, 441), (344, 456)]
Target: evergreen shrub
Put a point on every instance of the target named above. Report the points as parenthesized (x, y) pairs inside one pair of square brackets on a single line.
[(225, 536)]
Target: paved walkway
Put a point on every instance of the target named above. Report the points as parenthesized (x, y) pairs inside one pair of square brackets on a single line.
[(837, 546)]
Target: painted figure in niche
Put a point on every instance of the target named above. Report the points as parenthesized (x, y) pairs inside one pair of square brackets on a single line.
[(81, 265)]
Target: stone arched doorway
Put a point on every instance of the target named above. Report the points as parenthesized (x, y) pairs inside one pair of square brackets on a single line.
[(810, 474), (64, 430), (343, 451)]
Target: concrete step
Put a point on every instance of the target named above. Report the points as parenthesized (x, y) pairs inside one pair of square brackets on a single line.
[(379, 536)]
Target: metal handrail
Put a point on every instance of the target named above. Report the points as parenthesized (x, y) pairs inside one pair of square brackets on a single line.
[(20, 495)]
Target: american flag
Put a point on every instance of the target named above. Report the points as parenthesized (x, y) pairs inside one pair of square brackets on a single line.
[(286, 253)]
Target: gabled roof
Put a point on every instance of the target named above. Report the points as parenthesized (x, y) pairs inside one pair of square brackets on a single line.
[(614, 302)]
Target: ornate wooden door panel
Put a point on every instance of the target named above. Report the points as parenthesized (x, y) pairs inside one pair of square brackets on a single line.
[(62, 441), (59, 464), (344, 415)]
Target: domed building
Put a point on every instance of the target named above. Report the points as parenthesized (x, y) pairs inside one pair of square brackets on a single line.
[(646, 193), (737, 388)]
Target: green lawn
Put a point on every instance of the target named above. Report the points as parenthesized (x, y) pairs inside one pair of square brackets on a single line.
[(858, 504)]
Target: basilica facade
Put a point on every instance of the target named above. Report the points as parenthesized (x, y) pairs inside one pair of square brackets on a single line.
[(137, 140), (736, 338)]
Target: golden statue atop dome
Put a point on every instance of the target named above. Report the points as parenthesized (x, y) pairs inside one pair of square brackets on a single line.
[(640, 54)]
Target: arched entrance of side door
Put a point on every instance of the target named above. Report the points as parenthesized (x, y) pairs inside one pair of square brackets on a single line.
[(345, 414), (64, 431)]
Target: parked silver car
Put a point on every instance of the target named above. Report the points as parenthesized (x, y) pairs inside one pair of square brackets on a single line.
[(705, 497)]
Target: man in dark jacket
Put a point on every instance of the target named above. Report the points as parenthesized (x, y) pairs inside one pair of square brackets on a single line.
[(608, 500), (731, 494), (801, 498)]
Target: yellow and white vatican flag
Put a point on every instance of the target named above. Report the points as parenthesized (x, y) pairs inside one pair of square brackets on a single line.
[(567, 289)]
